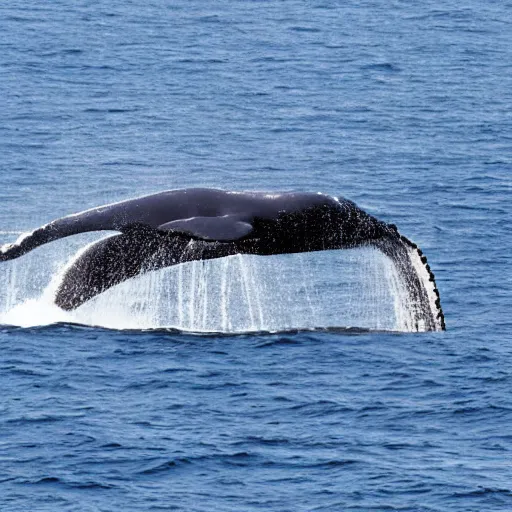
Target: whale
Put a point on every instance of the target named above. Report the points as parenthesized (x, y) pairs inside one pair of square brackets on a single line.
[(178, 226)]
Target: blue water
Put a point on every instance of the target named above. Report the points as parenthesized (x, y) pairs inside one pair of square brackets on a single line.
[(404, 108)]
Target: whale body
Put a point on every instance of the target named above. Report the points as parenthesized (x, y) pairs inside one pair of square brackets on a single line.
[(177, 226)]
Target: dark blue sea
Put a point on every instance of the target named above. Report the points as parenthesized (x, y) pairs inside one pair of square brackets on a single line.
[(259, 383)]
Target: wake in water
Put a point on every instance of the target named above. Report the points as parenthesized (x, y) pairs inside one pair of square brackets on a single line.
[(358, 288)]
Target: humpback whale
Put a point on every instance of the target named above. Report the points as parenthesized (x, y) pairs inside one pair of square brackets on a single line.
[(177, 226)]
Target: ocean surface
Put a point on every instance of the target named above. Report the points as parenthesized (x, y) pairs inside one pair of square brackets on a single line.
[(259, 384)]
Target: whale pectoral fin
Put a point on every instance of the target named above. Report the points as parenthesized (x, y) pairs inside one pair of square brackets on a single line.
[(418, 279), (111, 261), (222, 229)]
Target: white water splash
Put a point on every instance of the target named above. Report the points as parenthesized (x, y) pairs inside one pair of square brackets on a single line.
[(355, 288)]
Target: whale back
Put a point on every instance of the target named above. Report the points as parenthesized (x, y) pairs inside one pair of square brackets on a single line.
[(172, 206)]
